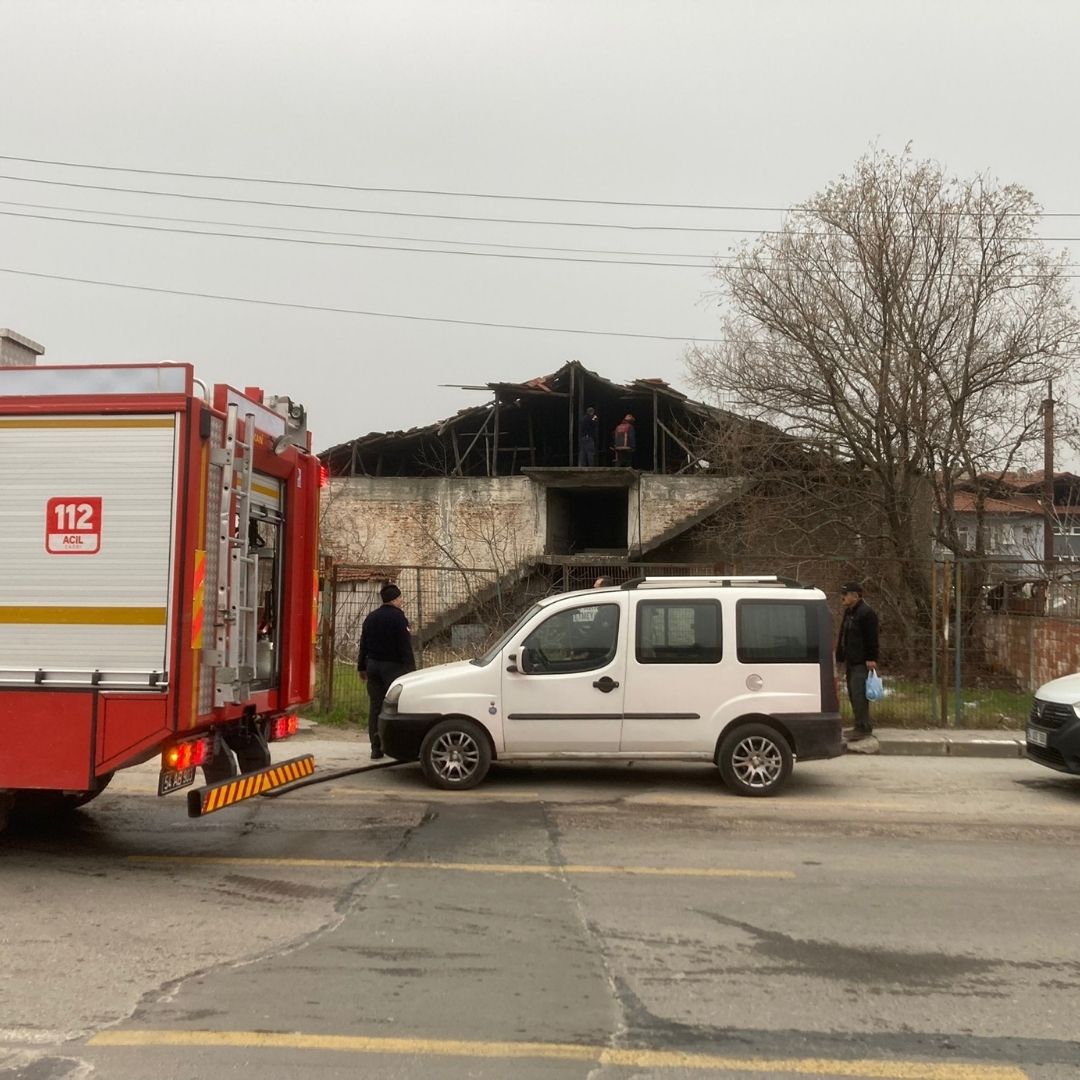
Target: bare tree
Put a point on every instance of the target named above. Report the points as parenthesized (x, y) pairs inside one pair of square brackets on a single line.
[(903, 325)]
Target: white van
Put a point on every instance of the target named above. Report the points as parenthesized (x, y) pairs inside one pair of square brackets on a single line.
[(732, 670)]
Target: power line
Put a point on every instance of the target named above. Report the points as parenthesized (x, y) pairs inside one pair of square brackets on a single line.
[(712, 264), (355, 235), (389, 190), (345, 244), (435, 217), (323, 185), (380, 213), (217, 234), (357, 311)]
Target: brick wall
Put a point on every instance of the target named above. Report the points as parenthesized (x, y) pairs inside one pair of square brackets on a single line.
[(402, 521), (1032, 650), (667, 501)]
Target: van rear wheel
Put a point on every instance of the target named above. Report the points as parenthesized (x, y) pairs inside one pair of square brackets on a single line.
[(455, 755), (755, 760)]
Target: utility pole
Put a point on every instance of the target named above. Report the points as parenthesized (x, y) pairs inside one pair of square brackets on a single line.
[(1048, 476)]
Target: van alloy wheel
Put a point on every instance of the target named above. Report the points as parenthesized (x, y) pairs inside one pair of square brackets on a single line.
[(754, 759), (455, 754), (757, 761)]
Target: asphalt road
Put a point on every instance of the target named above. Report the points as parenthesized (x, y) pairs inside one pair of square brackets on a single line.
[(885, 917)]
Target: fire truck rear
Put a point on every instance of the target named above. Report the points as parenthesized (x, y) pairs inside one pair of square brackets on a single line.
[(159, 584)]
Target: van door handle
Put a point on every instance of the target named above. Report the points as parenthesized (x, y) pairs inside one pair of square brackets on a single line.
[(606, 684)]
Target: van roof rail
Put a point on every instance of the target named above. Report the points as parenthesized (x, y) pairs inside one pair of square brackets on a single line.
[(723, 580)]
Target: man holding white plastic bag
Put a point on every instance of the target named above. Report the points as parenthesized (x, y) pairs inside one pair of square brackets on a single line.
[(857, 650)]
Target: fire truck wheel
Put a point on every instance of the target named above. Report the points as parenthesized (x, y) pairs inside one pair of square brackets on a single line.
[(455, 755), (46, 804)]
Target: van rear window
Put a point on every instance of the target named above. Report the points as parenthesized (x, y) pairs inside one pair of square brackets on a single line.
[(777, 632), (678, 632)]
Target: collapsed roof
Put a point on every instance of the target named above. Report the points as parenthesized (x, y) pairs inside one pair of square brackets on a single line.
[(536, 424)]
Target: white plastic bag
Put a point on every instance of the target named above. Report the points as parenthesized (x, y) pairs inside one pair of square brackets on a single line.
[(875, 689)]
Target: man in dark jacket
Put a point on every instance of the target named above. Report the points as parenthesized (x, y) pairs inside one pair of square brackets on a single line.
[(857, 650), (589, 439), (385, 653)]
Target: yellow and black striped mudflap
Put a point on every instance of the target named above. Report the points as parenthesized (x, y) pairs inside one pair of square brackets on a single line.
[(206, 800)]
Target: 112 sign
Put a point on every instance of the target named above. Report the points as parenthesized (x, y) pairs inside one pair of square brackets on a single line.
[(73, 526)]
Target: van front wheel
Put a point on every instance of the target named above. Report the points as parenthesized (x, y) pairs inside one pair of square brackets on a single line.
[(455, 755), (755, 759)]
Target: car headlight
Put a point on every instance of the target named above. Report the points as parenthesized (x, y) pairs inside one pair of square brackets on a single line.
[(1076, 708), (393, 694)]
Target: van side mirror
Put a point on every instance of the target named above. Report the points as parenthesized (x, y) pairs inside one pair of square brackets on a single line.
[(525, 660), (511, 663)]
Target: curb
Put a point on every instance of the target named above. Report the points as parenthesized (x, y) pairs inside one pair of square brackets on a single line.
[(951, 746)]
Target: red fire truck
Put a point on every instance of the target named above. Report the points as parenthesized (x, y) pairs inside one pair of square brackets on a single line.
[(158, 582)]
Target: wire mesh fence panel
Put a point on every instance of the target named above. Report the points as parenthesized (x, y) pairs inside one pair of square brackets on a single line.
[(963, 642)]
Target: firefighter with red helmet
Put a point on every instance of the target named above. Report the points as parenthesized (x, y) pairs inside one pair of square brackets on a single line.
[(625, 441)]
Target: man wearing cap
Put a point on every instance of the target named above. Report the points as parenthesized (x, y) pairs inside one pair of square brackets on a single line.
[(857, 650), (385, 653), (625, 442)]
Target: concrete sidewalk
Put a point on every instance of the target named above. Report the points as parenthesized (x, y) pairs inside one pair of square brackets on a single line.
[(937, 742), (940, 742)]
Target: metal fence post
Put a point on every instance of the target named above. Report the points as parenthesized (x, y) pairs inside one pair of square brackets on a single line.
[(959, 662), (420, 612), (933, 640), (326, 636)]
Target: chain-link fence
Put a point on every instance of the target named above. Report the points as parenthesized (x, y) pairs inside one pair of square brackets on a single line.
[(963, 643)]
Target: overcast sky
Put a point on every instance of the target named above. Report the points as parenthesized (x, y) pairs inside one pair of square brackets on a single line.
[(748, 104)]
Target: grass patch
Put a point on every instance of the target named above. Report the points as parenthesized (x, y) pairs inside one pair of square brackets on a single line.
[(915, 705), (349, 706)]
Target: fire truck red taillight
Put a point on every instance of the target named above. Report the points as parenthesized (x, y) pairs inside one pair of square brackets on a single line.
[(324, 476), (283, 727), (184, 755)]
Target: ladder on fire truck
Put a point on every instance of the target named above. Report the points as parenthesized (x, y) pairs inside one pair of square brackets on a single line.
[(236, 622)]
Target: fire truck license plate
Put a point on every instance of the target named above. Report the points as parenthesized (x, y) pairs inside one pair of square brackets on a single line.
[(175, 779)]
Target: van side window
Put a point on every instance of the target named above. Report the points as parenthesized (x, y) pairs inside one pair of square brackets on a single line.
[(577, 639), (678, 632), (776, 632)]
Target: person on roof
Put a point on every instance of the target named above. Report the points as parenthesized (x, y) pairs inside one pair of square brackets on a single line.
[(625, 442), (588, 439)]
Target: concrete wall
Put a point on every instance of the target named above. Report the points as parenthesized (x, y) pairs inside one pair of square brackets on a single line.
[(18, 351), (493, 523), (1033, 650), (667, 501)]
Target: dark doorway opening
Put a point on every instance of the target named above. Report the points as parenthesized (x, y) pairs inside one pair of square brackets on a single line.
[(587, 520)]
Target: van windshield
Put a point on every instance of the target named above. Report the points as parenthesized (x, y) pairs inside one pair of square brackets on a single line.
[(485, 658)]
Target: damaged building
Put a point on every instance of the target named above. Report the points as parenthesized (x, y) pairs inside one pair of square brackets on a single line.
[(494, 500), (401, 496), (476, 514)]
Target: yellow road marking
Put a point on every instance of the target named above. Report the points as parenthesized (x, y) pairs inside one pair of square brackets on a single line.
[(83, 616), (471, 868), (600, 1055)]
